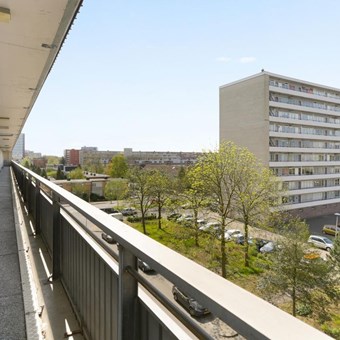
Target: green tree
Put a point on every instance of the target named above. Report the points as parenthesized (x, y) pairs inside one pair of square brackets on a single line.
[(43, 173), (80, 191), (76, 174), (218, 174), (141, 189), (60, 174), (335, 252), (160, 190), (193, 194), (118, 167), (257, 191), (52, 159), (116, 189), (298, 272), (26, 162)]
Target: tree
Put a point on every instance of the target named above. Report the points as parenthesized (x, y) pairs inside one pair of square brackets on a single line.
[(81, 191), (76, 174), (116, 190), (194, 195), (257, 191), (60, 174), (141, 188), (160, 190), (298, 272), (335, 252), (217, 174), (118, 167)]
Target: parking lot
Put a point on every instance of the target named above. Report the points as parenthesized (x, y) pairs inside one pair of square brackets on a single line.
[(316, 224)]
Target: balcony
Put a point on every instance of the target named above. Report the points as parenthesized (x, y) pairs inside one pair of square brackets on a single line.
[(109, 296)]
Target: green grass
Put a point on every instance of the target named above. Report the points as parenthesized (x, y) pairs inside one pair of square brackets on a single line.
[(182, 240)]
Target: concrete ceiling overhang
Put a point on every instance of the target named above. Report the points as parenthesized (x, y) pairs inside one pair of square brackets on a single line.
[(31, 35)]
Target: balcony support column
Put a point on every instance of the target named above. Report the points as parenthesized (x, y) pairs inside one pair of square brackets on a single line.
[(127, 297), (37, 207), (56, 237)]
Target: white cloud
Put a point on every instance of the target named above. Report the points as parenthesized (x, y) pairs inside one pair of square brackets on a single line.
[(223, 59), (245, 60)]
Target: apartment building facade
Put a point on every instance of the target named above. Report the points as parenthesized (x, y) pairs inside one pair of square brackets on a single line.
[(292, 126)]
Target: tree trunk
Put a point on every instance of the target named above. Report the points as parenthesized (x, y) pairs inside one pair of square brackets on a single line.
[(159, 216), (246, 244), (196, 228), (223, 254), (294, 294), (143, 223), (294, 302)]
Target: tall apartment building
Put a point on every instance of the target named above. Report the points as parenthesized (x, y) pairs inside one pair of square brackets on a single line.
[(292, 126), (18, 151), (71, 157)]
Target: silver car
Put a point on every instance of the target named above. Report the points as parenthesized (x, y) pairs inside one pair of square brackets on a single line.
[(321, 242)]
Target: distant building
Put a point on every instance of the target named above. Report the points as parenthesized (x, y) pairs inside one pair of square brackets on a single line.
[(32, 154), (18, 151), (71, 157), (160, 157), (293, 127)]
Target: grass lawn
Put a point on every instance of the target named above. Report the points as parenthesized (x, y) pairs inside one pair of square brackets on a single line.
[(182, 239)]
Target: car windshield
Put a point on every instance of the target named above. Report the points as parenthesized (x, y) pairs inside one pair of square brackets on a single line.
[(328, 241)]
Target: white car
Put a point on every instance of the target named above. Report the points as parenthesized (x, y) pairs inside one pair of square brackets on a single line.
[(232, 234), (321, 242), (210, 227)]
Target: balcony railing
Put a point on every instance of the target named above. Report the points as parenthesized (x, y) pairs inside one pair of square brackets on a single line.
[(110, 297)]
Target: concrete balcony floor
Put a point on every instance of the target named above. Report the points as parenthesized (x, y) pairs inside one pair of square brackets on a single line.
[(32, 306)]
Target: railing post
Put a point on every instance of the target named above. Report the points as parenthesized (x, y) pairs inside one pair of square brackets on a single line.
[(127, 297), (37, 207), (56, 251)]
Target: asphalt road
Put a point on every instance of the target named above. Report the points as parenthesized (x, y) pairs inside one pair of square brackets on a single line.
[(316, 224)]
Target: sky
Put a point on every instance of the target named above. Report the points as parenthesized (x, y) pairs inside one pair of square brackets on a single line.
[(146, 74)]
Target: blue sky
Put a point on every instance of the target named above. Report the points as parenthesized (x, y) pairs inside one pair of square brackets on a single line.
[(146, 74)]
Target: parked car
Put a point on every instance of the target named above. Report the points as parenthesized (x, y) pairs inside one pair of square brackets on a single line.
[(210, 227), (174, 216), (232, 234), (117, 215), (109, 210), (186, 218), (129, 212), (268, 247), (260, 242), (330, 229), (189, 303), (321, 242), (144, 266), (108, 238), (239, 239)]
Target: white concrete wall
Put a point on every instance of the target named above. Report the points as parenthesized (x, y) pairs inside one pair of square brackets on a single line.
[(244, 112)]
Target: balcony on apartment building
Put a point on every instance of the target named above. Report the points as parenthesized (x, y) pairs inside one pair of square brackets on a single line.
[(87, 288), (58, 277)]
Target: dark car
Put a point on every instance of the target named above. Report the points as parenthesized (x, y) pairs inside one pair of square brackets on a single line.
[(189, 303), (144, 266), (110, 210), (108, 238), (129, 212), (239, 239), (174, 216)]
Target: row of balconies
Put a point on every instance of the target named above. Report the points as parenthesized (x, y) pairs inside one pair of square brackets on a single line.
[(304, 89)]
